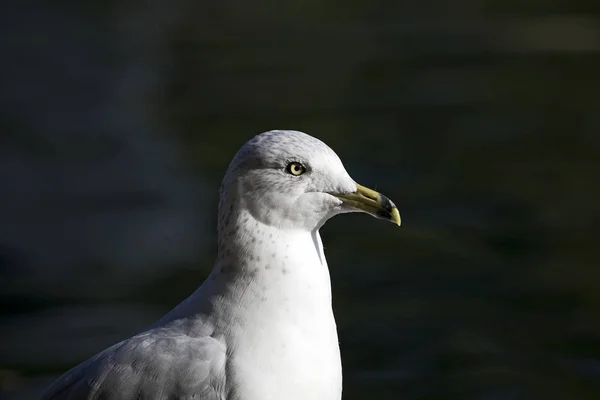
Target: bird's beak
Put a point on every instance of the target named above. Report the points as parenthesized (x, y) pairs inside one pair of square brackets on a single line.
[(371, 202)]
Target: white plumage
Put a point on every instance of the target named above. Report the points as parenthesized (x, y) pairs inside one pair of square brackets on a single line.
[(261, 326)]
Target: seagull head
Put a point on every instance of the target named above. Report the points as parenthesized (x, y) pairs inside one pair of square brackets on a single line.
[(292, 180)]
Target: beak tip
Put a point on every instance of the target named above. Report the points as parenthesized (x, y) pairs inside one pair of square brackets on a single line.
[(395, 216)]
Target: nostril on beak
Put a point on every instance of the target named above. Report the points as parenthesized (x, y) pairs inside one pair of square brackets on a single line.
[(370, 196)]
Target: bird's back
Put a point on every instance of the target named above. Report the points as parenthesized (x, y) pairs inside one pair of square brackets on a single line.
[(167, 362)]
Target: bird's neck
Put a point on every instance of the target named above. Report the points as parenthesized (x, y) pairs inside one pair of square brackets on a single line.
[(270, 296), (262, 272), (272, 265)]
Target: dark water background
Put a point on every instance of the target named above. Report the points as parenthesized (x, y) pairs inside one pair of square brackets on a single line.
[(481, 119)]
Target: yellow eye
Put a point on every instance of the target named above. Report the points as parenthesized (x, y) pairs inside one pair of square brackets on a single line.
[(295, 168)]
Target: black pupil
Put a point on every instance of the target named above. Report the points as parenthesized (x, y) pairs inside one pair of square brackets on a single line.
[(296, 168)]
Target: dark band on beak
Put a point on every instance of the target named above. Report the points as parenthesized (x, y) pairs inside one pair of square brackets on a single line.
[(388, 208)]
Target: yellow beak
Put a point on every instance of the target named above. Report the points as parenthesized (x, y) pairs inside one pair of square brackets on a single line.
[(372, 202)]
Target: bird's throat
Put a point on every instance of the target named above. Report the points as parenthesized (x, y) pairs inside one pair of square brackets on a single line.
[(274, 269)]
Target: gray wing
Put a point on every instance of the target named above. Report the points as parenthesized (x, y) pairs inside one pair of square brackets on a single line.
[(158, 364)]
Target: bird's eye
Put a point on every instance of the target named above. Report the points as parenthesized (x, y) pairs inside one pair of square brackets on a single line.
[(295, 168)]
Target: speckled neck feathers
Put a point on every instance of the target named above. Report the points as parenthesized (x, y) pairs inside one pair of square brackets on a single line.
[(249, 246), (275, 308)]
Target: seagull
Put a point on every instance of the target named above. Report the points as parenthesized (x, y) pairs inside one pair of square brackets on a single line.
[(261, 326)]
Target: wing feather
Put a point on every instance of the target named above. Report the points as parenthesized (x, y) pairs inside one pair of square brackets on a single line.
[(158, 364)]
